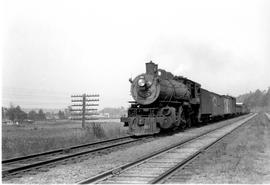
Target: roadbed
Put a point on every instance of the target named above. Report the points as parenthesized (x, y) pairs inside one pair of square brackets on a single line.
[(241, 158)]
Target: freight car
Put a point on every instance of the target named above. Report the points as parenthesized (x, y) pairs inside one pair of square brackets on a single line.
[(163, 101), (241, 108), (214, 106)]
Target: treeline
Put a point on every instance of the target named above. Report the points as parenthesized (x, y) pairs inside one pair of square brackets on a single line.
[(256, 99), (16, 114)]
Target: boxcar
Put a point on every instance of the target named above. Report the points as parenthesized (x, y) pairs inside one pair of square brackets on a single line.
[(212, 105), (229, 105), (239, 108)]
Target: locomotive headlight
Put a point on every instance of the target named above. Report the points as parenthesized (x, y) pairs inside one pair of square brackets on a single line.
[(141, 82)]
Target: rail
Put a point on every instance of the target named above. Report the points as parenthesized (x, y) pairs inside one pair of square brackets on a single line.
[(26, 163)]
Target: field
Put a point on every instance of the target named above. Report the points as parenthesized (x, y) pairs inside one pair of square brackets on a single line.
[(21, 140)]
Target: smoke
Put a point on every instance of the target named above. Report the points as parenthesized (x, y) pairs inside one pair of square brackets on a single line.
[(217, 69)]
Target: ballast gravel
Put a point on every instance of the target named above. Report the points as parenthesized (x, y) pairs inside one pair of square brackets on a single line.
[(73, 173)]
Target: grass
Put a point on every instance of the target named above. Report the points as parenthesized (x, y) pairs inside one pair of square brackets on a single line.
[(243, 157), (42, 136)]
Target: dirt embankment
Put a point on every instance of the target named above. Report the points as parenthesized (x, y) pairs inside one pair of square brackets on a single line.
[(243, 157)]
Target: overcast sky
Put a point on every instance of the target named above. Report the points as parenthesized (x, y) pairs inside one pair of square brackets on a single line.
[(52, 49)]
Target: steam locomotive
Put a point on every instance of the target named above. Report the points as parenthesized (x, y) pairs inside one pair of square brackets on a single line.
[(164, 101)]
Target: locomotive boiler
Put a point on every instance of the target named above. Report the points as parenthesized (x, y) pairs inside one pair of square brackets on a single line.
[(157, 85)]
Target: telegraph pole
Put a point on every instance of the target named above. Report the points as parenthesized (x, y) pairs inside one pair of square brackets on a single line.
[(83, 110)]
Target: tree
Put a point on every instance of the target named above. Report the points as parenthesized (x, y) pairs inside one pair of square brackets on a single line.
[(41, 115), (256, 99), (21, 114), (61, 114), (11, 114), (268, 97), (33, 115), (4, 113), (16, 114)]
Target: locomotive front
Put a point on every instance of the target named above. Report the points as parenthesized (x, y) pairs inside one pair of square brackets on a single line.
[(157, 85), (158, 101)]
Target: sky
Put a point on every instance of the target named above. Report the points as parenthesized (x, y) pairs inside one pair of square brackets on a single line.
[(54, 49)]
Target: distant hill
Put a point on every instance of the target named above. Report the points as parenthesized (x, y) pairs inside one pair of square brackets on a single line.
[(257, 99)]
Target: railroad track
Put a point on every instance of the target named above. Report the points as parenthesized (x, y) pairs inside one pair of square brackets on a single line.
[(158, 166), (39, 161)]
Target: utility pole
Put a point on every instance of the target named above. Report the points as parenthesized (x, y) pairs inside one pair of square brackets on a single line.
[(83, 110)]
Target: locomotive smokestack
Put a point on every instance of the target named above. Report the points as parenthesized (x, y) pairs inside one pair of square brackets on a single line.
[(151, 68)]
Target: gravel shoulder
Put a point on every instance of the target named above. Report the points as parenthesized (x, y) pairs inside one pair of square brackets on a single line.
[(243, 157), (72, 173)]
